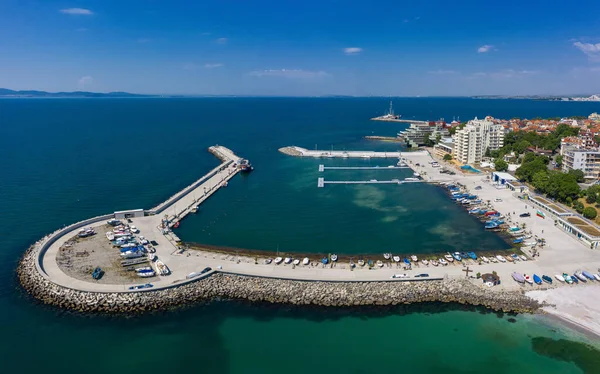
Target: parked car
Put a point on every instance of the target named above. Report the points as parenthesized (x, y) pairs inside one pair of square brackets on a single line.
[(205, 270), (525, 214), (421, 275), (478, 187), (497, 199)]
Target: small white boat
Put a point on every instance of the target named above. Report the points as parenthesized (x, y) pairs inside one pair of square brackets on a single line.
[(523, 258), (448, 258), (152, 257), (306, 261), (485, 259), (361, 262), (443, 262), (434, 263), (581, 276), (559, 277), (134, 229), (396, 258), (387, 256), (334, 257), (494, 260), (278, 260), (161, 268), (296, 262), (288, 260), (597, 276), (144, 268), (501, 258), (268, 261), (379, 263), (110, 236), (528, 279), (425, 262), (414, 258), (146, 274)]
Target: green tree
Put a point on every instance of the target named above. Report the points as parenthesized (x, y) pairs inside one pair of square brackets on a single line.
[(501, 165), (438, 137), (590, 213), (427, 141), (521, 146), (447, 157), (541, 180), (591, 198), (578, 205), (559, 160), (578, 174)]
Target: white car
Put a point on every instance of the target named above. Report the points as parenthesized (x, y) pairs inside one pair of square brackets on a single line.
[(399, 276), (497, 199)]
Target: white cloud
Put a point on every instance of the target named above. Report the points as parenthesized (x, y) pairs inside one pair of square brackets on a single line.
[(290, 73), (591, 50), (212, 66), (85, 80), (77, 11), (485, 48), (352, 50), (222, 41)]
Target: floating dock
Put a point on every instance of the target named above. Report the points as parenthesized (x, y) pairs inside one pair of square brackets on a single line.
[(321, 182), (391, 167)]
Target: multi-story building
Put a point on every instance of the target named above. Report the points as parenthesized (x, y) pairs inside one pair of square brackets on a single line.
[(585, 160), (472, 141), (417, 132)]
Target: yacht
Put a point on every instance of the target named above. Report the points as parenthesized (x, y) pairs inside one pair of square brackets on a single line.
[(161, 268)]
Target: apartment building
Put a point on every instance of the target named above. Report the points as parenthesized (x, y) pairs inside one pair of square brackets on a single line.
[(472, 141), (585, 160)]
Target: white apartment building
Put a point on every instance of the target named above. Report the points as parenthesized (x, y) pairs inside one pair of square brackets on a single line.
[(587, 161), (472, 141)]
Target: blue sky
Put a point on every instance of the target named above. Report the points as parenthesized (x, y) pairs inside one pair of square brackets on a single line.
[(290, 47)]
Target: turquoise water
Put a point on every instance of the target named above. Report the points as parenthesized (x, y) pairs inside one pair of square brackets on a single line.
[(66, 160)]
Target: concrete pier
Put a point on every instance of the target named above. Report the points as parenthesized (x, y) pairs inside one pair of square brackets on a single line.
[(303, 152), (391, 167), (322, 182)]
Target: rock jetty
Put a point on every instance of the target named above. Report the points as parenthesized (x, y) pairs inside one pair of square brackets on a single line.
[(257, 289), (291, 151)]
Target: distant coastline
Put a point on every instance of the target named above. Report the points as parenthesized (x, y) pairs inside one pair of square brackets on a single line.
[(6, 93)]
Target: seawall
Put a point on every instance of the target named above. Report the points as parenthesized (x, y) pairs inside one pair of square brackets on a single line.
[(271, 290)]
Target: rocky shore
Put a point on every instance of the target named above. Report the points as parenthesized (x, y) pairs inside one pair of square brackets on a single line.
[(255, 289)]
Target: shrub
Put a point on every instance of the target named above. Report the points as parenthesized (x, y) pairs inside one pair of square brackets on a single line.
[(590, 213)]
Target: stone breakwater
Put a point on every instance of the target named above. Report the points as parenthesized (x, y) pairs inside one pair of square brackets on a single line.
[(290, 151), (256, 289)]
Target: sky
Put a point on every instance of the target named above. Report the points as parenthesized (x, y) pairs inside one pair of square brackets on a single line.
[(302, 48)]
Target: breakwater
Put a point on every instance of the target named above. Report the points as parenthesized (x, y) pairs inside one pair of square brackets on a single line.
[(271, 290)]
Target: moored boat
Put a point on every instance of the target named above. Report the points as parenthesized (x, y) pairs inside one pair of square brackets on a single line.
[(414, 258), (334, 257), (528, 279), (575, 280), (547, 279), (288, 260), (485, 259), (387, 256), (268, 261), (567, 278), (509, 259), (588, 275), (324, 260), (306, 261), (406, 261), (396, 258), (161, 268), (581, 277), (501, 258), (361, 262), (472, 255), (456, 256), (537, 279), (379, 263), (296, 261), (448, 258), (278, 260), (425, 262), (443, 262), (518, 277), (597, 276), (523, 258), (559, 277), (434, 263)]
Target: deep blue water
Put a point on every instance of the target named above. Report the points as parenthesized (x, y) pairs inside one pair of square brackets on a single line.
[(66, 160)]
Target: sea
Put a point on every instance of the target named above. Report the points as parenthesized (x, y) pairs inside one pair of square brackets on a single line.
[(64, 160)]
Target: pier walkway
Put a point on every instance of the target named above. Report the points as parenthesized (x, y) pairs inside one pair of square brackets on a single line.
[(321, 182), (391, 167), (303, 152)]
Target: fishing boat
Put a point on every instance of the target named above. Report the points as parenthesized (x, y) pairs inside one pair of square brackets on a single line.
[(456, 256), (324, 260), (176, 225), (575, 280), (97, 273), (567, 278), (501, 258), (514, 228), (146, 273), (387, 256), (379, 263), (296, 262), (580, 276), (518, 277), (559, 277), (528, 279), (425, 262), (472, 255), (306, 261), (396, 258), (434, 263), (597, 276), (537, 279), (334, 257), (518, 241), (588, 275), (370, 263), (406, 261), (414, 258), (194, 209), (361, 262), (494, 260), (509, 259), (141, 286), (288, 260), (547, 279), (352, 264), (449, 258), (516, 233), (278, 260), (161, 268), (268, 261), (485, 259), (443, 262), (523, 258)]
